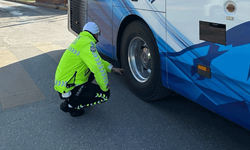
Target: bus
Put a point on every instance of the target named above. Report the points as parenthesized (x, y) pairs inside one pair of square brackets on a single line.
[(199, 49)]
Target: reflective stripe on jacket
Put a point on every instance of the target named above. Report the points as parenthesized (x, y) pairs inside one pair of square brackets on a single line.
[(81, 58)]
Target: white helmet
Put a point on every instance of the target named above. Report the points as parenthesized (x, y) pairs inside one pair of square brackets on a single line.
[(91, 27)]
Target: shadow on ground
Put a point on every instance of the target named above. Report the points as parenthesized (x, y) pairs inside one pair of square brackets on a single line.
[(203, 120)]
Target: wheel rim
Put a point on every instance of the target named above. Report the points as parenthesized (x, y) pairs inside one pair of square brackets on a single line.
[(139, 59)]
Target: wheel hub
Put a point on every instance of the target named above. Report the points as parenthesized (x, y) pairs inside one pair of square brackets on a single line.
[(139, 59), (145, 57)]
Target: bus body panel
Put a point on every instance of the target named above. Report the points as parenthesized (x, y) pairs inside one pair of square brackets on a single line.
[(227, 91), (100, 12), (177, 30), (150, 5)]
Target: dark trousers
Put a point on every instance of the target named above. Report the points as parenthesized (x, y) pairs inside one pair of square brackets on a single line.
[(87, 94)]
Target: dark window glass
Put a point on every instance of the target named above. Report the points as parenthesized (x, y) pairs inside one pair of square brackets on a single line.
[(213, 32)]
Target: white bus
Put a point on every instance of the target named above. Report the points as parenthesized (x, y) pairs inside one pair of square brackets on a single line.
[(197, 48)]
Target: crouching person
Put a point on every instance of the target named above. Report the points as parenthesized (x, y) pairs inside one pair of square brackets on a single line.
[(78, 67)]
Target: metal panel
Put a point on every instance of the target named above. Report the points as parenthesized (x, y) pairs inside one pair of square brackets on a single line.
[(150, 5), (77, 15)]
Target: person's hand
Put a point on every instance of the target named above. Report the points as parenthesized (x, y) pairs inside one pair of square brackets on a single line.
[(118, 70)]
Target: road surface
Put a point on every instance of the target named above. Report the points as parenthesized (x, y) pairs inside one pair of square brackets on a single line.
[(32, 41)]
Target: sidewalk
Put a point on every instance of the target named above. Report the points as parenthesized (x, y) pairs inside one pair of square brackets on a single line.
[(61, 7)]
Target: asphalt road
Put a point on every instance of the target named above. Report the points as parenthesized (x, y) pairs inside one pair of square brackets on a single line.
[(32, 41)]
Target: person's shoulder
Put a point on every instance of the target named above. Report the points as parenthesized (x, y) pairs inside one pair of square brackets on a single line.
[(85, 38)]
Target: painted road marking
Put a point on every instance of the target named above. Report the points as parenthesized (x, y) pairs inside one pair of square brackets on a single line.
[(49, 48), (17, 87)]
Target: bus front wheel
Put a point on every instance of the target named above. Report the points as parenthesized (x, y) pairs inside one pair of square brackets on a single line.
[(141, 60)]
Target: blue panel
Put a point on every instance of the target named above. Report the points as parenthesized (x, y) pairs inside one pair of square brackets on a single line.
[(227, 92), (101, 13)]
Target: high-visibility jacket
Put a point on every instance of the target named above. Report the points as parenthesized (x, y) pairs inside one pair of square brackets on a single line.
[(78, 61)]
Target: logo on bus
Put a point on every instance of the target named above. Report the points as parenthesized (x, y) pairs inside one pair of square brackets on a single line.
[(151, 1)]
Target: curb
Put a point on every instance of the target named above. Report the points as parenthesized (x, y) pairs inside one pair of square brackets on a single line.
[(41, 4)]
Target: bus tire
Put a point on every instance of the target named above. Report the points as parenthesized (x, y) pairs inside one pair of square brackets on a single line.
[(141, 60)]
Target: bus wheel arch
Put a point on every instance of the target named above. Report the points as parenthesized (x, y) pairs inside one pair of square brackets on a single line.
[(125, 22), (140, 58)]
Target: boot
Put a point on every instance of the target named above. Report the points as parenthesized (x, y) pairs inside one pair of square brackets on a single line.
[(64, 107), (76, 112)]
